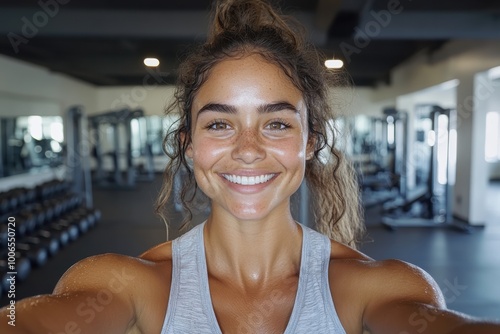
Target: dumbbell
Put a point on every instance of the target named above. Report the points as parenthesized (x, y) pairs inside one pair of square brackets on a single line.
[(95, 214), (56, 232), (36, 253), (28, 219), (30, 195), (20, 194), (57, 207), (13, 200), (22, 269), (92, 214), (39, 214), (80, 220), (4, 204), (4, 229), (37, 242), (73, 202), (49, 211), (65, 204), (45, 190), (72, 229), (51, 240)]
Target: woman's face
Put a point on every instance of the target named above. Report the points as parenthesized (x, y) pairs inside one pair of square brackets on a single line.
[(249, 138)]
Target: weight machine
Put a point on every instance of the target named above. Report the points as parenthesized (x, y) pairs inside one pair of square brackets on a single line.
[(382, 173), (429, 202), (119, 124)]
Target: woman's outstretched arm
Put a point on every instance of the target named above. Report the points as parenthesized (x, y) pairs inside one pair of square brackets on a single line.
[(96, 295), (406, 300)]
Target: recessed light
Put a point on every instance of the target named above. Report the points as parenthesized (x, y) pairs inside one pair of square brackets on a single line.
[(334, 63), (151, 62)]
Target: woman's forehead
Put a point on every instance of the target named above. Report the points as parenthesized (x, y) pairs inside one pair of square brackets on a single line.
[(248, 76)]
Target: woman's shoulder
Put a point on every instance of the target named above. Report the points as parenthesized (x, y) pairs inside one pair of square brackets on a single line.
[(359, 283), (350, 264), (345, 260), (142, 283), (114, 269)]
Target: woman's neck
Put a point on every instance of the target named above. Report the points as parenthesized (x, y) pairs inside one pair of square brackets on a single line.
[(252, 253)]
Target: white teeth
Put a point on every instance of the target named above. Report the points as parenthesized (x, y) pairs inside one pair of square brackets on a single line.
[(248, 180)]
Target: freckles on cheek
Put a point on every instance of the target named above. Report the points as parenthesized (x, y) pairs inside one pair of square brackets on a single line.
[(290, 151), (208, 152)]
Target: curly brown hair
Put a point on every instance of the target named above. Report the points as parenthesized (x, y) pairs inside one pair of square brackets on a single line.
[(243, 27)]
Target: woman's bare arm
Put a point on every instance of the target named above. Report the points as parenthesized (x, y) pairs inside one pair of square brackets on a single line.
[(404, 299), (93, 296)]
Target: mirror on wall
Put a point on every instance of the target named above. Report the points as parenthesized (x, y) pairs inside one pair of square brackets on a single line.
[(29, 143)]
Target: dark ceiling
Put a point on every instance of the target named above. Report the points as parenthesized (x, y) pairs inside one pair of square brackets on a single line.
[(104, 42)]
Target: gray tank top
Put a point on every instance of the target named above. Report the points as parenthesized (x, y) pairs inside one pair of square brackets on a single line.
[(190, 306)]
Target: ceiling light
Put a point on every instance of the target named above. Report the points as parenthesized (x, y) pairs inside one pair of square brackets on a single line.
[(151, 62), (334, 63)]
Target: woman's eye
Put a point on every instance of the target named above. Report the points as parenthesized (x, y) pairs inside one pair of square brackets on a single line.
[(218, 126), (278, 126)]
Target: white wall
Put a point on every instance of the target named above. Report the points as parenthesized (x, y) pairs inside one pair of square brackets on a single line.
[(453, 60), (27, 89), (494, 105), (364, 102), (152, 99)]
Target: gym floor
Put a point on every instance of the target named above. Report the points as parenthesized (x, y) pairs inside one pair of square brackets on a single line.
[(466, 266)]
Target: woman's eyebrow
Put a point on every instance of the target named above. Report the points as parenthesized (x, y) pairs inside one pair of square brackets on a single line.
[(262, 109), (278, 106), (219, 107)]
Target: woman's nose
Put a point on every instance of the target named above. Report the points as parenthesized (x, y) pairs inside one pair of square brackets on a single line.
[(248, 147)]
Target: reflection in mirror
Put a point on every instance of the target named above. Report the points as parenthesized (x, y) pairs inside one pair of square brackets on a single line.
[(30, 143)]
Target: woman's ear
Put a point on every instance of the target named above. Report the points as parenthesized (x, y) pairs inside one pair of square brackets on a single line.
[(311, 147), (189, 147)]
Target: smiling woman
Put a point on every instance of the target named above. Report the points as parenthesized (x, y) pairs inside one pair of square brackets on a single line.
[(249, 126), (254, 116), (244, 28)]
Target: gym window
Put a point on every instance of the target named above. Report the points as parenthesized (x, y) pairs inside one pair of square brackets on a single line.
[(492, 147)]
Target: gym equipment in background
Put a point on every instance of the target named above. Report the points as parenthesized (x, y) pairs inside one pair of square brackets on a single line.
[(379, 151), (428, 203), (30, 143), (121, 136)]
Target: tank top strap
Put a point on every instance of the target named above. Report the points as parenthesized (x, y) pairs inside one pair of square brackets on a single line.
[(314, 310), (188, 298)]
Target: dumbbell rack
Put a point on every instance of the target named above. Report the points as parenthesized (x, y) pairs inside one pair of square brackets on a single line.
[(47, 218)]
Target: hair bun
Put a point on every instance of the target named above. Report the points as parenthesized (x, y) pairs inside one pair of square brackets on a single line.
[(239, 16)]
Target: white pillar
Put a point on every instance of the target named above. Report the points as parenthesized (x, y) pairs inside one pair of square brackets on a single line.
[(473, 94)]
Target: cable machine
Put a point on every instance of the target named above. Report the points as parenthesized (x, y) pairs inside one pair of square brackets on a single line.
[(429, 203), (383, 172), (118, 125)]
